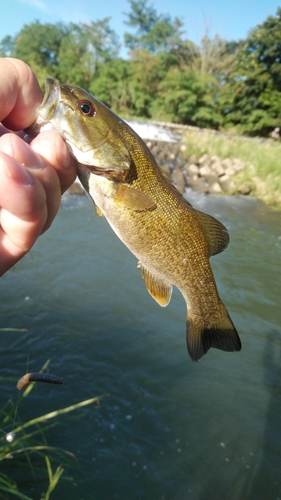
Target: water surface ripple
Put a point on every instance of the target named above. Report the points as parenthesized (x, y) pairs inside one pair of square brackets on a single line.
[(169, 428)]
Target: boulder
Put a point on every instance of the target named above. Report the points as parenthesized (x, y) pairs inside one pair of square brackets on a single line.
[(214, 159), (192, 169), (204, 160), (230, 170), (215, 188), (193, 159), (198, 185), (167, 168), (226, 183), (178, 179), (217, 168), (205, 170), (226, 163)]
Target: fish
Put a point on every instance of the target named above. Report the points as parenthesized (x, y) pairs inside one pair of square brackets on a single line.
[(38, 377), (171, 240)]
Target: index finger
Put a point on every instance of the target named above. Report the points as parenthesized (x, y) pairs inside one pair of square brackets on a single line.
[(20, 94)]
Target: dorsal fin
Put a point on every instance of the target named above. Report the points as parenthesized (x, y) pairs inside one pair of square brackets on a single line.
[(215, 232), (158, 289)]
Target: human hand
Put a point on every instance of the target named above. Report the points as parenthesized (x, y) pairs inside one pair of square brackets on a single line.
[(32, 176)]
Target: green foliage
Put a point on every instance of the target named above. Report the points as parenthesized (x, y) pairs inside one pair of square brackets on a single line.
[(83, 49), (251, 96), (154, 32), (30, 450), (38, 45), (186, 97), (218, 83), (111, 85)]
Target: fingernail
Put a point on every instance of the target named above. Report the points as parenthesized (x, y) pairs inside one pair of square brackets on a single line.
[(18, 173)]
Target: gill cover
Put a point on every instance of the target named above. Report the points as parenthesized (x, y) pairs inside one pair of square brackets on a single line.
[(88, 127)]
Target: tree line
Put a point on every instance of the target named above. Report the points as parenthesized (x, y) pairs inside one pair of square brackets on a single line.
[(217, 84)]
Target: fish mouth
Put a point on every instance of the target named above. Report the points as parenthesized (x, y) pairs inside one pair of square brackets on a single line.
[(47, 109)]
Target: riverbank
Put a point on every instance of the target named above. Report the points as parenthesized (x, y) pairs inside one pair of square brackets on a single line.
[(209, 161), (261, 175), (251, 165)]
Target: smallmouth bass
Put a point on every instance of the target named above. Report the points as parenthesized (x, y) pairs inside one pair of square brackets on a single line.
[(171, 240)]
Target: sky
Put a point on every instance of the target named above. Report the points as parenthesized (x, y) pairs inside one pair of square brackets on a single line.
[(232, 20)]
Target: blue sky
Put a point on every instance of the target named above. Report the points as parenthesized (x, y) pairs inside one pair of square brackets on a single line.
[(232, 20)]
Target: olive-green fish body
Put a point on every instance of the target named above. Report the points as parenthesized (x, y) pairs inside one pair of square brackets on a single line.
[(172, 240)]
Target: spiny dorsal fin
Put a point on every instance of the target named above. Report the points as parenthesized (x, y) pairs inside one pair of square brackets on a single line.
[(215, 232), (133, 199), (158, 289)]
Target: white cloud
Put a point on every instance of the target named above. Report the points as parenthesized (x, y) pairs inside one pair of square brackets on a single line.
[(36, 3)]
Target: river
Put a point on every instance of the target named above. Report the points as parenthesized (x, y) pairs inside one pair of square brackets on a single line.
[(168, 428)]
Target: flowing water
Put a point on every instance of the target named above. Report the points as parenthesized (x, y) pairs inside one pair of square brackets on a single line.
[(168, 428)]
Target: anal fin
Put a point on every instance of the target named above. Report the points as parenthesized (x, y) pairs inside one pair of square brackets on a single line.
[(158, 289)]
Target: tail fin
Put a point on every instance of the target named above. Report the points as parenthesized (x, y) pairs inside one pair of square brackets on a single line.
[(222, 335)]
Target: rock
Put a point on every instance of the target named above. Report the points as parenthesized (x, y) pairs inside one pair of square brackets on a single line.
[(214, 159), (226, 183), (215, 188), (76, 188), (161, 156), (205, 170), (224, 178), (217, 168), (192, 169), (178, 179), (204, 160), (192, 178), (230, 170), (193, 159), (238, 165), (226, 163), (180, 163), (198, 185), (246, 188), (183, 148), (211, 179), (167, 168)]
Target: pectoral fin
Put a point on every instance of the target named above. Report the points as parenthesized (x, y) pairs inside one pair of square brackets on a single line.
[(133, 199), (158, 289)]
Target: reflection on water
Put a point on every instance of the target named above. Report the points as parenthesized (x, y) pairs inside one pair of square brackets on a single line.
[(169, 428)]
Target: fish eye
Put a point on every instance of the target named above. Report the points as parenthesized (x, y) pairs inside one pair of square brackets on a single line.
[(86, 108)]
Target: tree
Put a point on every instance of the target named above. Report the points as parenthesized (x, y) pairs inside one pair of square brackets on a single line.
[(185, 96), (83, 49), (7, 46), (154, 32), (251, 97), (112, 85), (39, 44)]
